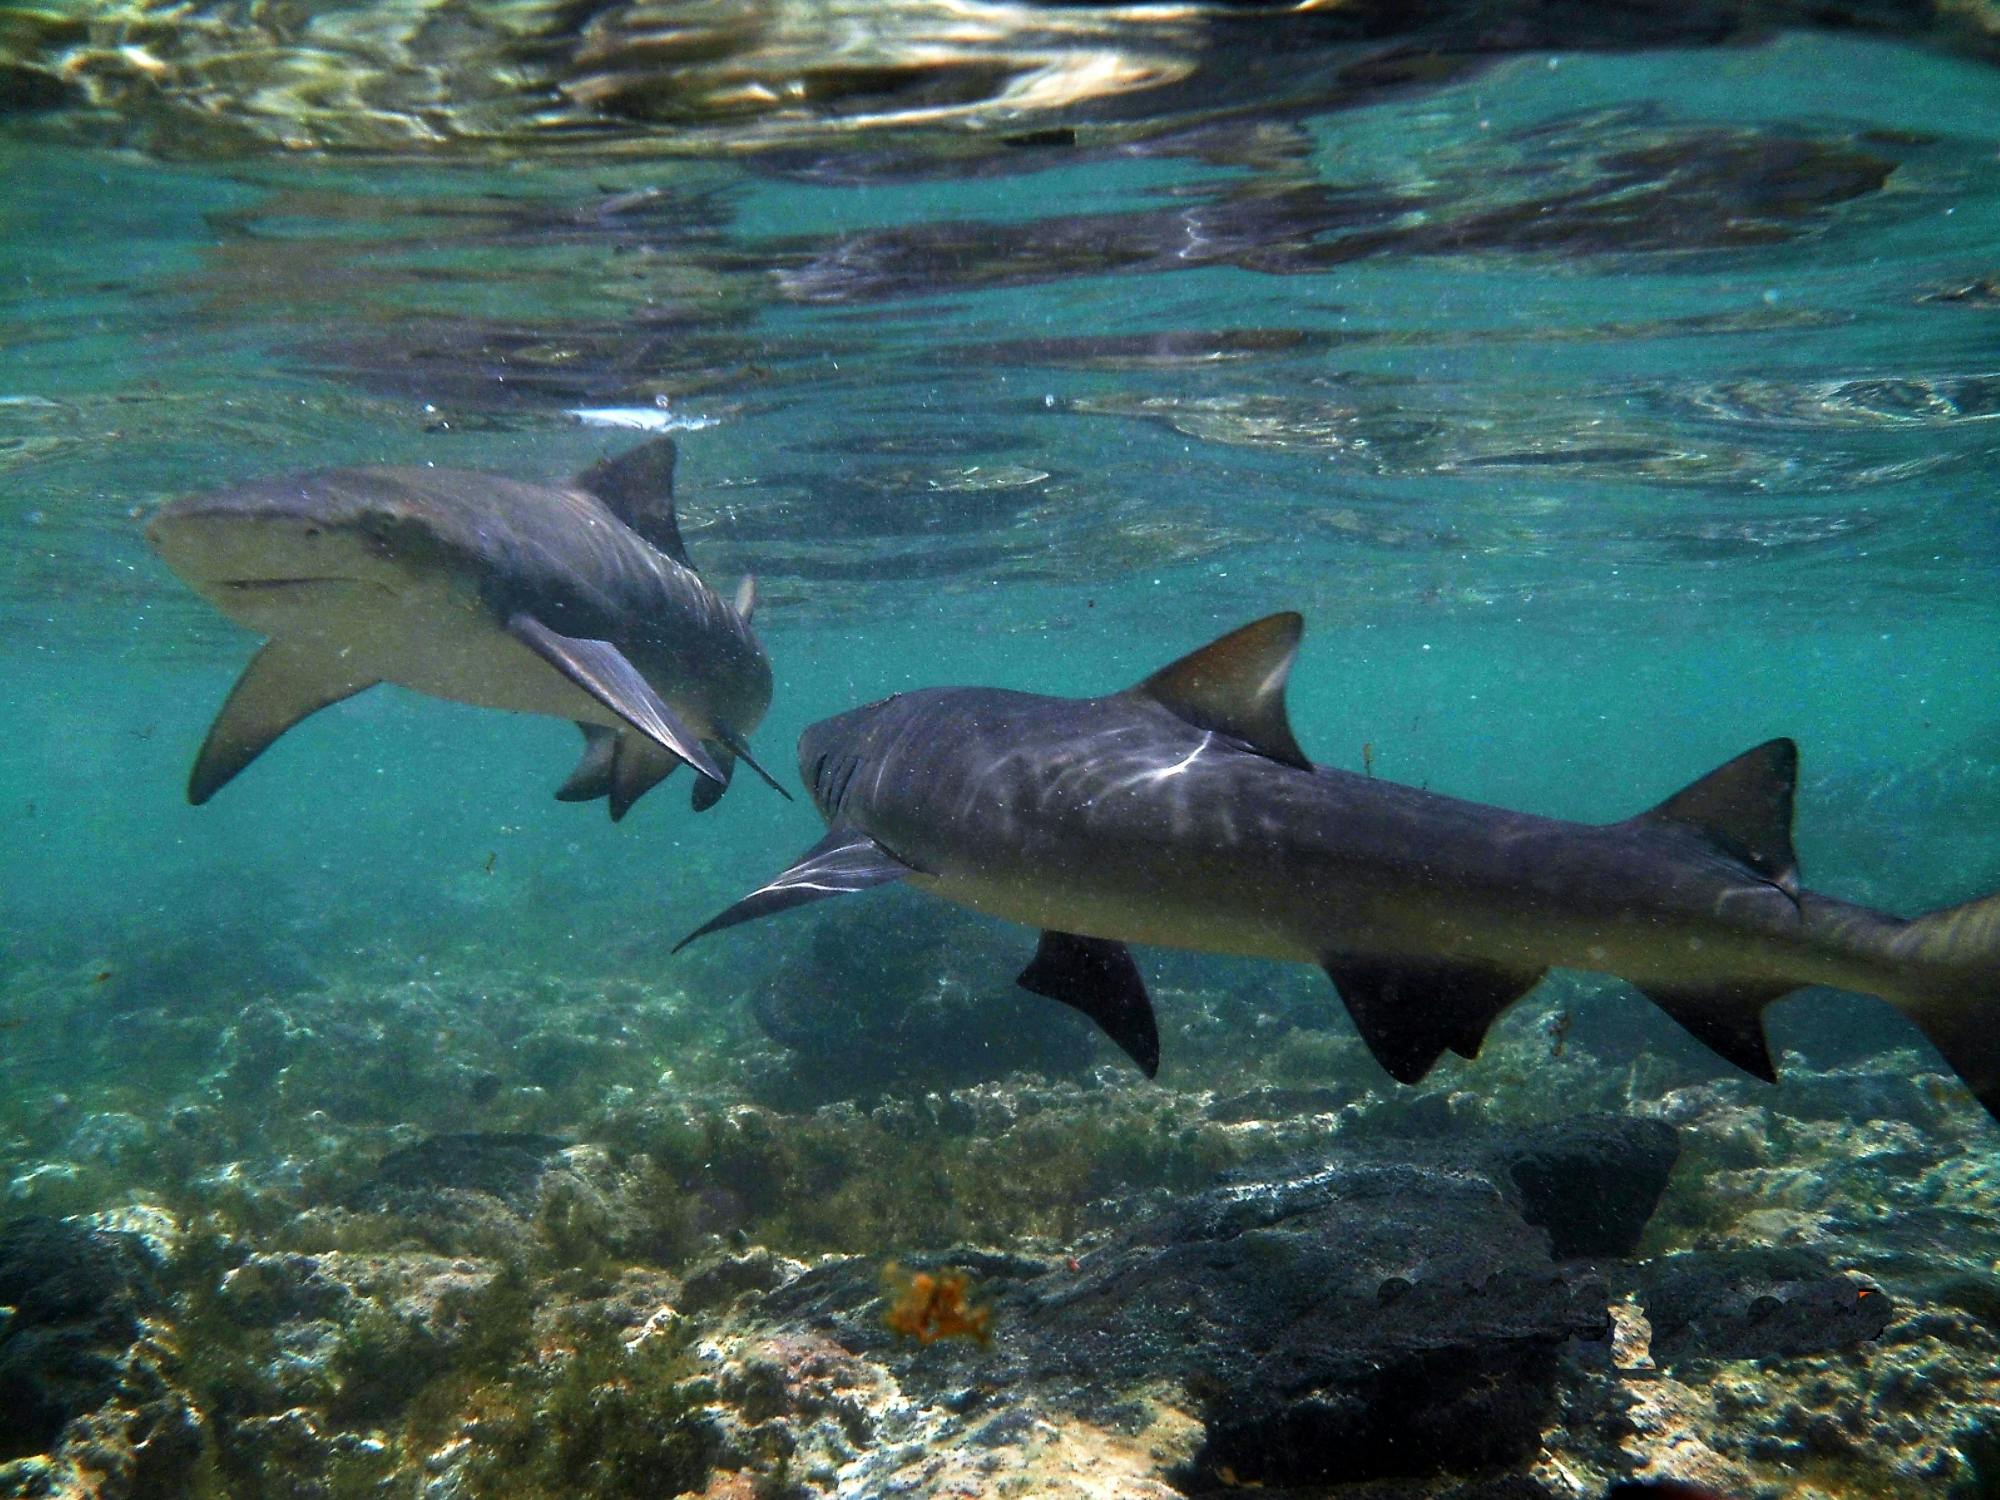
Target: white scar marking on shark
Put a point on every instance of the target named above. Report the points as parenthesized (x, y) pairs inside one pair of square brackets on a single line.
[(1159, 774)]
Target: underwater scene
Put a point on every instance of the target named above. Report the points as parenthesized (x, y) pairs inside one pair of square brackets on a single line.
[(1282, 768)]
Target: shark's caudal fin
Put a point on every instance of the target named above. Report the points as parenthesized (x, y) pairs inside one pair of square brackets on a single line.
[(285, 681), (638, 487), (1954, 993)]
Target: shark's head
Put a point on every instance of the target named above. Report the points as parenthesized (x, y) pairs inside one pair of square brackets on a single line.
[(832, 750), (263, 550)]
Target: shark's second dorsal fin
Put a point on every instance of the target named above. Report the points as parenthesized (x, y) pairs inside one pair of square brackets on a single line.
[(1236, 686), (638, 488), (1745, 807)]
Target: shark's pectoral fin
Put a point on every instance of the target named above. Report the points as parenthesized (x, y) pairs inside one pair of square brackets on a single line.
[(286, 681), (1098, 977), (845, 860), (1410, 1011), (1744, 807), (740, 748), (1728, 1019), (601, 670), (592, 777)]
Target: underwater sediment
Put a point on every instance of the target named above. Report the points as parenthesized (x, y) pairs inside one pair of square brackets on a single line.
[(366, 1237)]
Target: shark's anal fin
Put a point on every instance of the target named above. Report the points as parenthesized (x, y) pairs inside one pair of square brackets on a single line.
[(1728, 1019), (601, 670), (1236, 686), (1410, 1011), (1744, 807), (845, 860), (286, 681), (638, 487), (1098, 977)]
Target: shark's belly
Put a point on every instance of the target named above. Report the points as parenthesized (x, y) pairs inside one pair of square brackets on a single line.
[(440, 641)]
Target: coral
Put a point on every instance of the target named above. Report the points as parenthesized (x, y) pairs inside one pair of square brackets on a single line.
[(928, 1306)]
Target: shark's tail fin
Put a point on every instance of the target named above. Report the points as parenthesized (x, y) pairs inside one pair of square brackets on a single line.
[(1954, 995)]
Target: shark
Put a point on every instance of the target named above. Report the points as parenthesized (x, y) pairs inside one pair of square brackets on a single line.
[(1182, 812), (577, 601)]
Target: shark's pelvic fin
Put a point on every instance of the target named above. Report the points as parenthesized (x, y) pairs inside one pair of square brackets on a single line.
[(620, 765), (707, 793), (746, 598), (1236, 686), (638, 767), (286, 681), (601, 670), (592, 777), (1745, 808), (1728, 1019), (638, 488), (1410, 1011), (845, 860), (1098, 977)]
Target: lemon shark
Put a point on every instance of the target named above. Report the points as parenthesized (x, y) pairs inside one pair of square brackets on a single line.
[(576, 600), (1182, 812)]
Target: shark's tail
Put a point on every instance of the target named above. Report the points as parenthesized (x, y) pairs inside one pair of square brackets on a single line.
[(1952, 960)]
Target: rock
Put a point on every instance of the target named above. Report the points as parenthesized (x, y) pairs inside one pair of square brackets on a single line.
[(1756, 1304), (1591, 1182), (717, 1282), (507, 1165), (1358, 1322), (81, 1388)]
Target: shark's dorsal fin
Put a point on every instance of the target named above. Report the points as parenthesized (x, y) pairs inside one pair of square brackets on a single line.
[(638, 488), (1745, 807), (1236, 686), (746, 597)]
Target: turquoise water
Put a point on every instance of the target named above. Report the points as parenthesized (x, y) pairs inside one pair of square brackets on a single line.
[(1605, 414)]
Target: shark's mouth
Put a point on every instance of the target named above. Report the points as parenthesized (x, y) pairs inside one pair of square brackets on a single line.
[(248, 585)]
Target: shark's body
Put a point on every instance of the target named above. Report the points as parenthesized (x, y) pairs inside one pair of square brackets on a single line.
[(1182, 813), (574, 601)]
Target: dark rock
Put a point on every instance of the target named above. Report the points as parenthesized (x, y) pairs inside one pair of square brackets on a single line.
[(933, 1006), (1360, 1321), (505, 1165), (78, 1378), (1592, 1182), (77, 1300), (721, 1281), (1756, 1304)]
